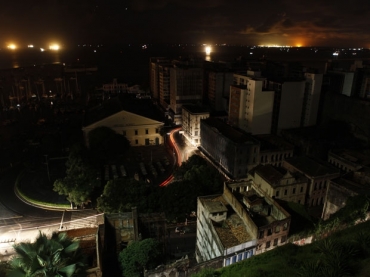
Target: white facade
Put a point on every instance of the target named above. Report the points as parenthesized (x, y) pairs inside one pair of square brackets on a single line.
[(255, 108), (191, 123), (311, 98)]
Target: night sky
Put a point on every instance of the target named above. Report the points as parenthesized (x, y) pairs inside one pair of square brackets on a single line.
[(247, 22)]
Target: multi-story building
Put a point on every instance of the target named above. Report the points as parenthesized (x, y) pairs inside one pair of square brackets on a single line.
[(279, 183), (251, 107), (115, 87), (340, 189), (311, 99), (238, 224), (288, 104), (164, 85), (138, 129), (218, 89), (341, 82), (348, 160), (154, 63), (191, 117), (319, 174), (186, 87), (274, 149), (234, 151)]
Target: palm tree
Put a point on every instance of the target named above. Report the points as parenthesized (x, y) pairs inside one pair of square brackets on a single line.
[(58, 256)]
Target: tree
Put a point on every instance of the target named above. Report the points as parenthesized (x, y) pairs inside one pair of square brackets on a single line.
[(120, 195), (80, 180), (58, 256), (106, 143), (139, 256)]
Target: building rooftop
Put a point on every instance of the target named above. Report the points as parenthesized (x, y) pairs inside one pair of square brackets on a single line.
[(126, 102), (215, 206), (273, 175), (195, 109), (355, 156), (229, 132), (232, 231), (358, 182), (273, 143), (312, 167)]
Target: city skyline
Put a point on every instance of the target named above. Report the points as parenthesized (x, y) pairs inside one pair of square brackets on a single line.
[(266, 22)]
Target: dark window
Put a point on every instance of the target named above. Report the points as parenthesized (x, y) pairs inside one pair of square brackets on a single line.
[(146, 131), (285, 226), (136, 141), (275, 242), (269, 232), (268, 243), (293, 190), (301, 189), (283, 239), (136, 132), (285, 192), (156, 130), (262, 234), (277, 193)]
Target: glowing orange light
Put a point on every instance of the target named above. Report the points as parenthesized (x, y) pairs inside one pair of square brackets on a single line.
[(12, 46)]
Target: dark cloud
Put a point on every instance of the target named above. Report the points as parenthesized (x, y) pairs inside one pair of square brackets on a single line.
[(214, 21)]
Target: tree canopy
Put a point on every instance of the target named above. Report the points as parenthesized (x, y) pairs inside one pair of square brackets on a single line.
[(120, 195), (140, 256), (57, 256), (80, 180)]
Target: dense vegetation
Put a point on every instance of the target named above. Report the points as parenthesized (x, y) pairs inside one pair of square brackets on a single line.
[(54, 256), (194, 178), (140, 256)]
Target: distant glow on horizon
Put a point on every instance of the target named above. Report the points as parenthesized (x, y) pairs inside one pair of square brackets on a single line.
[(54, 47), (30, 45), (12, 46), (208, 50)]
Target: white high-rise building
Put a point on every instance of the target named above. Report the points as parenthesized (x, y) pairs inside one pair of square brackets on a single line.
[(251, 105)]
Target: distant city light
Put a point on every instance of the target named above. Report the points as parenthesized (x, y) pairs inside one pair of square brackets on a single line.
[(42, 49), (12, 46), (208, 50), (54, 47), (30, 45)]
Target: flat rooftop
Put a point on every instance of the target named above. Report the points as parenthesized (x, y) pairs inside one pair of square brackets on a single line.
[(312, 167), (229, 132), (273, 143)]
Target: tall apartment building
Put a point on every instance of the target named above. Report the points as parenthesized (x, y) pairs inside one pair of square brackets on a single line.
[(164, 85), (238, 224), (251, 106), (186, 87), (288, 104), (219, 89), (191, 117), (341, 82), (154, 63), (235, 151), (311, 99)]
